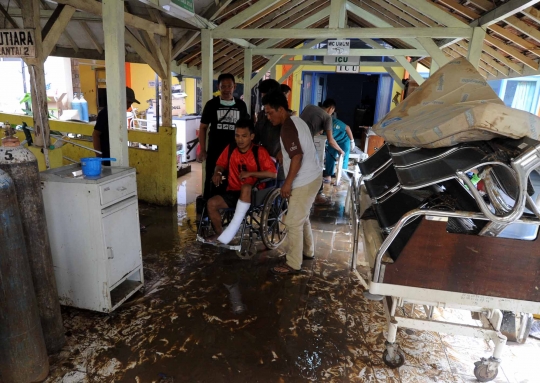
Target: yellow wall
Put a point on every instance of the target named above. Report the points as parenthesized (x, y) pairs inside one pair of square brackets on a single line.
[(87, 77), (191, 91), (156, 170), (141, 74)]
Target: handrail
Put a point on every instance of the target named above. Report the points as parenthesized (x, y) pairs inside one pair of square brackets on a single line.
[(523, 165)]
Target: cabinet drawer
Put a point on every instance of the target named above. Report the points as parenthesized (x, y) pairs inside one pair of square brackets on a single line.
[(117, 189)]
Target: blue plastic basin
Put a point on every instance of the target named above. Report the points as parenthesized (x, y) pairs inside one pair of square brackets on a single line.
[(91, 166)]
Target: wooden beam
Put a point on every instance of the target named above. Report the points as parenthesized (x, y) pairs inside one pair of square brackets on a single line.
[(532, 13), (269, 65), (224, 57), (207, 73), (524, 44), (503, 59), (516, 54), (434, 51), (337, 13), (345, 33), (301, 23), (482, 64), (414, 13), (55, 27), (429, 9), (91, 36), (353, 52), (503, 11), (36, 70), (8, 17), (403, 61), (463, 48), (377, 21), (396, 78), (523, 27), (469, 13), (156, 52), (286, 75), (216, 9), (148, 58), (166, 80), (247, 14), (95, 8), (475, 46), (248, 62), (185, 42), (47, 13), (47, 8)]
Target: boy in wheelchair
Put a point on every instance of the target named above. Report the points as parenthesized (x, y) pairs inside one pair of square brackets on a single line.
[(245, 164)]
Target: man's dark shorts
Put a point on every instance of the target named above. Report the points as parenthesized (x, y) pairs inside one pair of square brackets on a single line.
[(231, 198)]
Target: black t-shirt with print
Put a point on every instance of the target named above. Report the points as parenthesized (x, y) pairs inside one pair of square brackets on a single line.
[(221, 120)]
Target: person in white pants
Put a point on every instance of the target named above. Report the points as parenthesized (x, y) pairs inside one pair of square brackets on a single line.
[(245, 163), (303, 178)]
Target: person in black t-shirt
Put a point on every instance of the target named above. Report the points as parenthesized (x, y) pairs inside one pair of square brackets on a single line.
[(219, 118), (100, 136)]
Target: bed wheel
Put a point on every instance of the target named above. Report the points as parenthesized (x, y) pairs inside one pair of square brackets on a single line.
[(482, 371), (397, 361)]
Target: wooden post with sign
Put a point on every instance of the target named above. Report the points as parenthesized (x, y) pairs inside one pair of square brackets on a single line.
[(36, 69), (29, 44)]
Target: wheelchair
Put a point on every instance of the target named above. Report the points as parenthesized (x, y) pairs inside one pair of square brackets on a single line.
[(264, 221)]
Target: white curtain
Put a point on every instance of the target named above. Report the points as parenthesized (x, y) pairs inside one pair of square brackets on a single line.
[(524, 95), (384, 94)]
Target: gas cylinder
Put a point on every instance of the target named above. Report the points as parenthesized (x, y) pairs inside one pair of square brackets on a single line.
[(84, 108), (23, 356), (76, 105), (21, 165)]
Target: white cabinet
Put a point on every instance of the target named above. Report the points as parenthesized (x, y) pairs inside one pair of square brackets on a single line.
[(186, 134), (94, 231)]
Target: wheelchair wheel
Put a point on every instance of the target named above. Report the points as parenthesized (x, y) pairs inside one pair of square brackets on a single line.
[(273, 229)]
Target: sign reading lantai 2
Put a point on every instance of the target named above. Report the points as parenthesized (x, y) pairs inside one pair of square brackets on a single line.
[(17, 43)]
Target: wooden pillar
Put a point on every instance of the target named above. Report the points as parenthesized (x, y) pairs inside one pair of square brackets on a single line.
[(166, 81), (476, 46), (248, 62), (36, 69), (207, 70), (113, 29)]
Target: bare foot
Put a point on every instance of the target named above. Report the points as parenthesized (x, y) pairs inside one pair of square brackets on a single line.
[(322, 201), (212, 238)]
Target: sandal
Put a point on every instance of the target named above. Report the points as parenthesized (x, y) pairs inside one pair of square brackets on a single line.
[(283, 269)]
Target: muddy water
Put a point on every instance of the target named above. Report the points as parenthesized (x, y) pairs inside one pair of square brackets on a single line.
[(315, 326)]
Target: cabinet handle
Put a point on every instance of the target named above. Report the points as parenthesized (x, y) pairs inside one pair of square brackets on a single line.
[(110, 251), (121, 188)]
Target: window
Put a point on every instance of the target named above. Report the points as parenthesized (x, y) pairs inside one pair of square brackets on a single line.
[(520, 93)]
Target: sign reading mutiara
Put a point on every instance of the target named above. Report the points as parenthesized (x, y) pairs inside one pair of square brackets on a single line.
[(17, 43)]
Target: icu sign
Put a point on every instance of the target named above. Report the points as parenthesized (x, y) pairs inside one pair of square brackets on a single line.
[(347, 68), (339, 47), (17, 43)]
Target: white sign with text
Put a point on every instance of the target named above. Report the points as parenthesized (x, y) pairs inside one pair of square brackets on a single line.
[(339, 47), (347, 68), (17, 43)]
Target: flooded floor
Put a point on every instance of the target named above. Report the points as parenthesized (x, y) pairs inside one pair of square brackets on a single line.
[(315, 326)]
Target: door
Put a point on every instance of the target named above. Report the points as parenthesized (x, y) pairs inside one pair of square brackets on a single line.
[(121, 231)]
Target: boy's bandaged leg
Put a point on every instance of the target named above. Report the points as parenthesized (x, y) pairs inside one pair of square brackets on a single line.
[(231, 230)]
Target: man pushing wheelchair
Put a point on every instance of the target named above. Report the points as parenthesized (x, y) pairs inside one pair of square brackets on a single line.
[(244, 164)]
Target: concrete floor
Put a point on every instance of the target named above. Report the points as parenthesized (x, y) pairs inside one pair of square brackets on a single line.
[(315, 326)]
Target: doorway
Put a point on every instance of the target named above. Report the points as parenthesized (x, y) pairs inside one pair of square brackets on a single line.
[(362, 99)]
